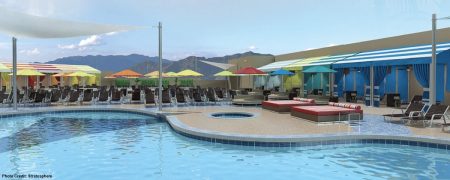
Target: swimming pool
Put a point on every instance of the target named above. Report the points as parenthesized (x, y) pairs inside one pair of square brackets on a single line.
[(117, 145)]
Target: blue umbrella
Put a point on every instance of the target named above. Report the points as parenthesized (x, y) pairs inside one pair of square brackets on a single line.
[(281, 72)]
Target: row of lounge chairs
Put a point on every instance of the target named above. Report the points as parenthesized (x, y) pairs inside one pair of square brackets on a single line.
[(66, 95)]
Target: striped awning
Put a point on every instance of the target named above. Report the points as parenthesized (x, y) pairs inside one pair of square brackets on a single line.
[(329, 60), (276, 65), (399, 56), (52, 68), (304, 62)]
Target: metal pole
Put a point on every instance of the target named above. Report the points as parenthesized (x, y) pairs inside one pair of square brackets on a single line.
[(432, 88), (160, 67), (371, 85), (14, 82)]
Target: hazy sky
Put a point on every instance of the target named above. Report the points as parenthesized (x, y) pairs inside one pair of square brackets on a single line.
[(221, 27)]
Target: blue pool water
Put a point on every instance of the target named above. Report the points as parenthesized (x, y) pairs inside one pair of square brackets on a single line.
[(113, 145)]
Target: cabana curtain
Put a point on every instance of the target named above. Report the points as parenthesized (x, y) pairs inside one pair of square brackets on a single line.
[(422, 74), (338, 81)]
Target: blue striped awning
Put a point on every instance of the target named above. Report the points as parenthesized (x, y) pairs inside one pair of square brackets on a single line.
[(400, 56), (276, 65)]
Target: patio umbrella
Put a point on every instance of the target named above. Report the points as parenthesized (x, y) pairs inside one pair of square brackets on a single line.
[(127, 73), (249, 71), (28, 72), (80, 74), (61, 77), (189, 72), (3, 68), (318, 69), (225, 74), (282, 73)]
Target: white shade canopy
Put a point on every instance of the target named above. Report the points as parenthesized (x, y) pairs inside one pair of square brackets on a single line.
[(219, 65), (24, 25)]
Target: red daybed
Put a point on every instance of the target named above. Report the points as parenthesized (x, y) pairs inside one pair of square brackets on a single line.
[(332, 112), (285, 105)]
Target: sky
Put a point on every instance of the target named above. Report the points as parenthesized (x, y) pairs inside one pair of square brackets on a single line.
[(213, 28)]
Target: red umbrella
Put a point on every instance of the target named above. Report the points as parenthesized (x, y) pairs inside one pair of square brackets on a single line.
[(249, 71)]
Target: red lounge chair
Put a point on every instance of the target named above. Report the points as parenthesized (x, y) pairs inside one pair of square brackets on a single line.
[(332, 112), (285, 105)]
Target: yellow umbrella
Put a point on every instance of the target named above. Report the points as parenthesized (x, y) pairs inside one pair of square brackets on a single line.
[(28, 72), (171, 74), (80, 74), (225, 74), (153, 74), (189, 72)]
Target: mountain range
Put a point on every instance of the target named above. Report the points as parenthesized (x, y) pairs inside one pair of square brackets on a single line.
[(144, 64)]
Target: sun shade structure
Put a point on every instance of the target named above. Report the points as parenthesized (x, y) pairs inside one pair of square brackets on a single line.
[(127, 73), (24, 25), (4, 68), (155, 74), (319, 69), (219, 65), (224, 74), (281, 72), (188, 72), (80, 74), (28, 72)]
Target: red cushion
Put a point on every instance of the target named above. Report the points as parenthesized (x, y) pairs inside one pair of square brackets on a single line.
[(324, 110), (285, 103)]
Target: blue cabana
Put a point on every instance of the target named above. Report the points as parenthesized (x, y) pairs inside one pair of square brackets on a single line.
[(390, 71)]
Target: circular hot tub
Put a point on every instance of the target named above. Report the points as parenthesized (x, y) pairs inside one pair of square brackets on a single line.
[(232, 115)]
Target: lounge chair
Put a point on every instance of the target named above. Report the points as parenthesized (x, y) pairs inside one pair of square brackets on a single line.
[(412, 107), (103, 96), (181, 98), (136, 95), (116, 96), (166, 98), (331, 112), (56, 96), (74, 97), (283, 106), (211, 95), (88, 96), (434, 112), (149, 97)]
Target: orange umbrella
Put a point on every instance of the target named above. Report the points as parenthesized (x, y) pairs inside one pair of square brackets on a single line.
[(127, 74)]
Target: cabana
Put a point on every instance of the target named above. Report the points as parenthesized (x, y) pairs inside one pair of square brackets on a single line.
[(54, 73), (375, 73)]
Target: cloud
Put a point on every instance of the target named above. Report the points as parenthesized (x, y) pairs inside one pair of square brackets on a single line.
[(252, 48), (31, 52), (87, 43), (84, 44), (90, 41)]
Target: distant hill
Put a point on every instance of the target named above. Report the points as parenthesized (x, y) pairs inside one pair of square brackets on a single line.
[(112, 63), (144, 64)]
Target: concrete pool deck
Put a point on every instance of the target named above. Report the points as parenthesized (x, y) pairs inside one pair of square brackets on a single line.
[(265, 123)]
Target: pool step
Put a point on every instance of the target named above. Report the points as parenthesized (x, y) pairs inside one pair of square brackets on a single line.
[(353, 123)]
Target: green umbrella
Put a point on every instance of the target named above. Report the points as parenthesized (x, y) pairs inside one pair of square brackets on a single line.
[(225, 74)]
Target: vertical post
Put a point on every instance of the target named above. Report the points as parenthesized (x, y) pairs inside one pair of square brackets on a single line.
[(160, 67), (371, 85), (14, 81), (432, 83)]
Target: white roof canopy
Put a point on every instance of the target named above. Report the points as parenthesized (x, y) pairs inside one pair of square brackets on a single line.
[(219, 65), (25, 25)]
